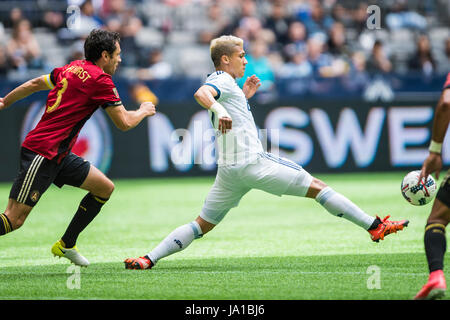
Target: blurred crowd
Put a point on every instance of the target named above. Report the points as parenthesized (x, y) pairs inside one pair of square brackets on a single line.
[(283, 38)]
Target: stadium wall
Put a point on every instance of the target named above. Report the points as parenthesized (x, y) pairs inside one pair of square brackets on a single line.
[(384, 127)]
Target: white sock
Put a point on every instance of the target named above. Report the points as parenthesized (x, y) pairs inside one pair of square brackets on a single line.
[(177, 240), (340, 206)]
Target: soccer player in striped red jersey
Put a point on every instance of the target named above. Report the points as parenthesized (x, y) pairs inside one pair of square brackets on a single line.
[(434, 238), (77, 90)]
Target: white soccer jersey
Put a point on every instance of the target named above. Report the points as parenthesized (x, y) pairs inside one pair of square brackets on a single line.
[(241, 144)]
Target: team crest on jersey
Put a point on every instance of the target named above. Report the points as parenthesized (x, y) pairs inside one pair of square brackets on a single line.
[(34, 196)]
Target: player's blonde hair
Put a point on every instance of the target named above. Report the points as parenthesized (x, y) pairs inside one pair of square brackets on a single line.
[(224, 45)]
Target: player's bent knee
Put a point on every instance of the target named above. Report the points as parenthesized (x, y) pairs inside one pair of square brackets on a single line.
[(105, 190), (319, 184), (110, 188), (204, 225), (17, 213), (315, 187)]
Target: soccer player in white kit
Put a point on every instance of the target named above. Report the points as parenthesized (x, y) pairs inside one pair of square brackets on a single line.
[(244, 165)]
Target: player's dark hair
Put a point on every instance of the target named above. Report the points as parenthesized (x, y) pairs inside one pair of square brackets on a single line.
[(99, 41)]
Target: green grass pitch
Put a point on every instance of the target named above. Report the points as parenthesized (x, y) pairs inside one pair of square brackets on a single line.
[(268, 248)]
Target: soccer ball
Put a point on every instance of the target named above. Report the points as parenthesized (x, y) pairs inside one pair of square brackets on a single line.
[(415, 193)]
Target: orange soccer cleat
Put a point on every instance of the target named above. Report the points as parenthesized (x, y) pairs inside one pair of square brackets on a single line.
[(386, 227), (138, 263), (434, 288)]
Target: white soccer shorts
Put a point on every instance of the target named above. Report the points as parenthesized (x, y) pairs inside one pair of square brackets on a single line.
[(275, 175)]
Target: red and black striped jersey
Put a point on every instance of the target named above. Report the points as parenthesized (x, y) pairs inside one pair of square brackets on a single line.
[(78, 90)]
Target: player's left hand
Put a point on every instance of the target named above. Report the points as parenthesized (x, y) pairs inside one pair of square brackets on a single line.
[(251, 85), (148, 107)]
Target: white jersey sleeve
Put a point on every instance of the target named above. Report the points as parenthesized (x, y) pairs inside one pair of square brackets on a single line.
[(222, 82)]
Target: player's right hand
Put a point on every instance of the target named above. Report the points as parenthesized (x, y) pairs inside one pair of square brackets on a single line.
[(433, 163), (148, 107), (225, 124)]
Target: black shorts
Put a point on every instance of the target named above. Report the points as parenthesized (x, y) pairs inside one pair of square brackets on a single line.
[(444, 190), (37, 173)]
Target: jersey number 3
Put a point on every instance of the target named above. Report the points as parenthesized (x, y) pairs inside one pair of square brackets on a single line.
[(59, 94)]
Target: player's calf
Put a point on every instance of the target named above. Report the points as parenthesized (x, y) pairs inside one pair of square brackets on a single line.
[(88, 209), (340, 206)]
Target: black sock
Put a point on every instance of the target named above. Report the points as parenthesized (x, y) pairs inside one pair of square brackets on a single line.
[(5, 224), (435, 246), (375, 224), (89, 208)]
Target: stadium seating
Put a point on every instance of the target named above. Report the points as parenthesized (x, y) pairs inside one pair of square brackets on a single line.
[(175, 29)]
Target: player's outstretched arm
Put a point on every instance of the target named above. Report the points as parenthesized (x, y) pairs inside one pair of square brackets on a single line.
[(205, 97), (125, 119), (433, 163), (24, 90)]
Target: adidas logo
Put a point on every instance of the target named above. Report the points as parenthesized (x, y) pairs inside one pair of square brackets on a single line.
[(178, 242)]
